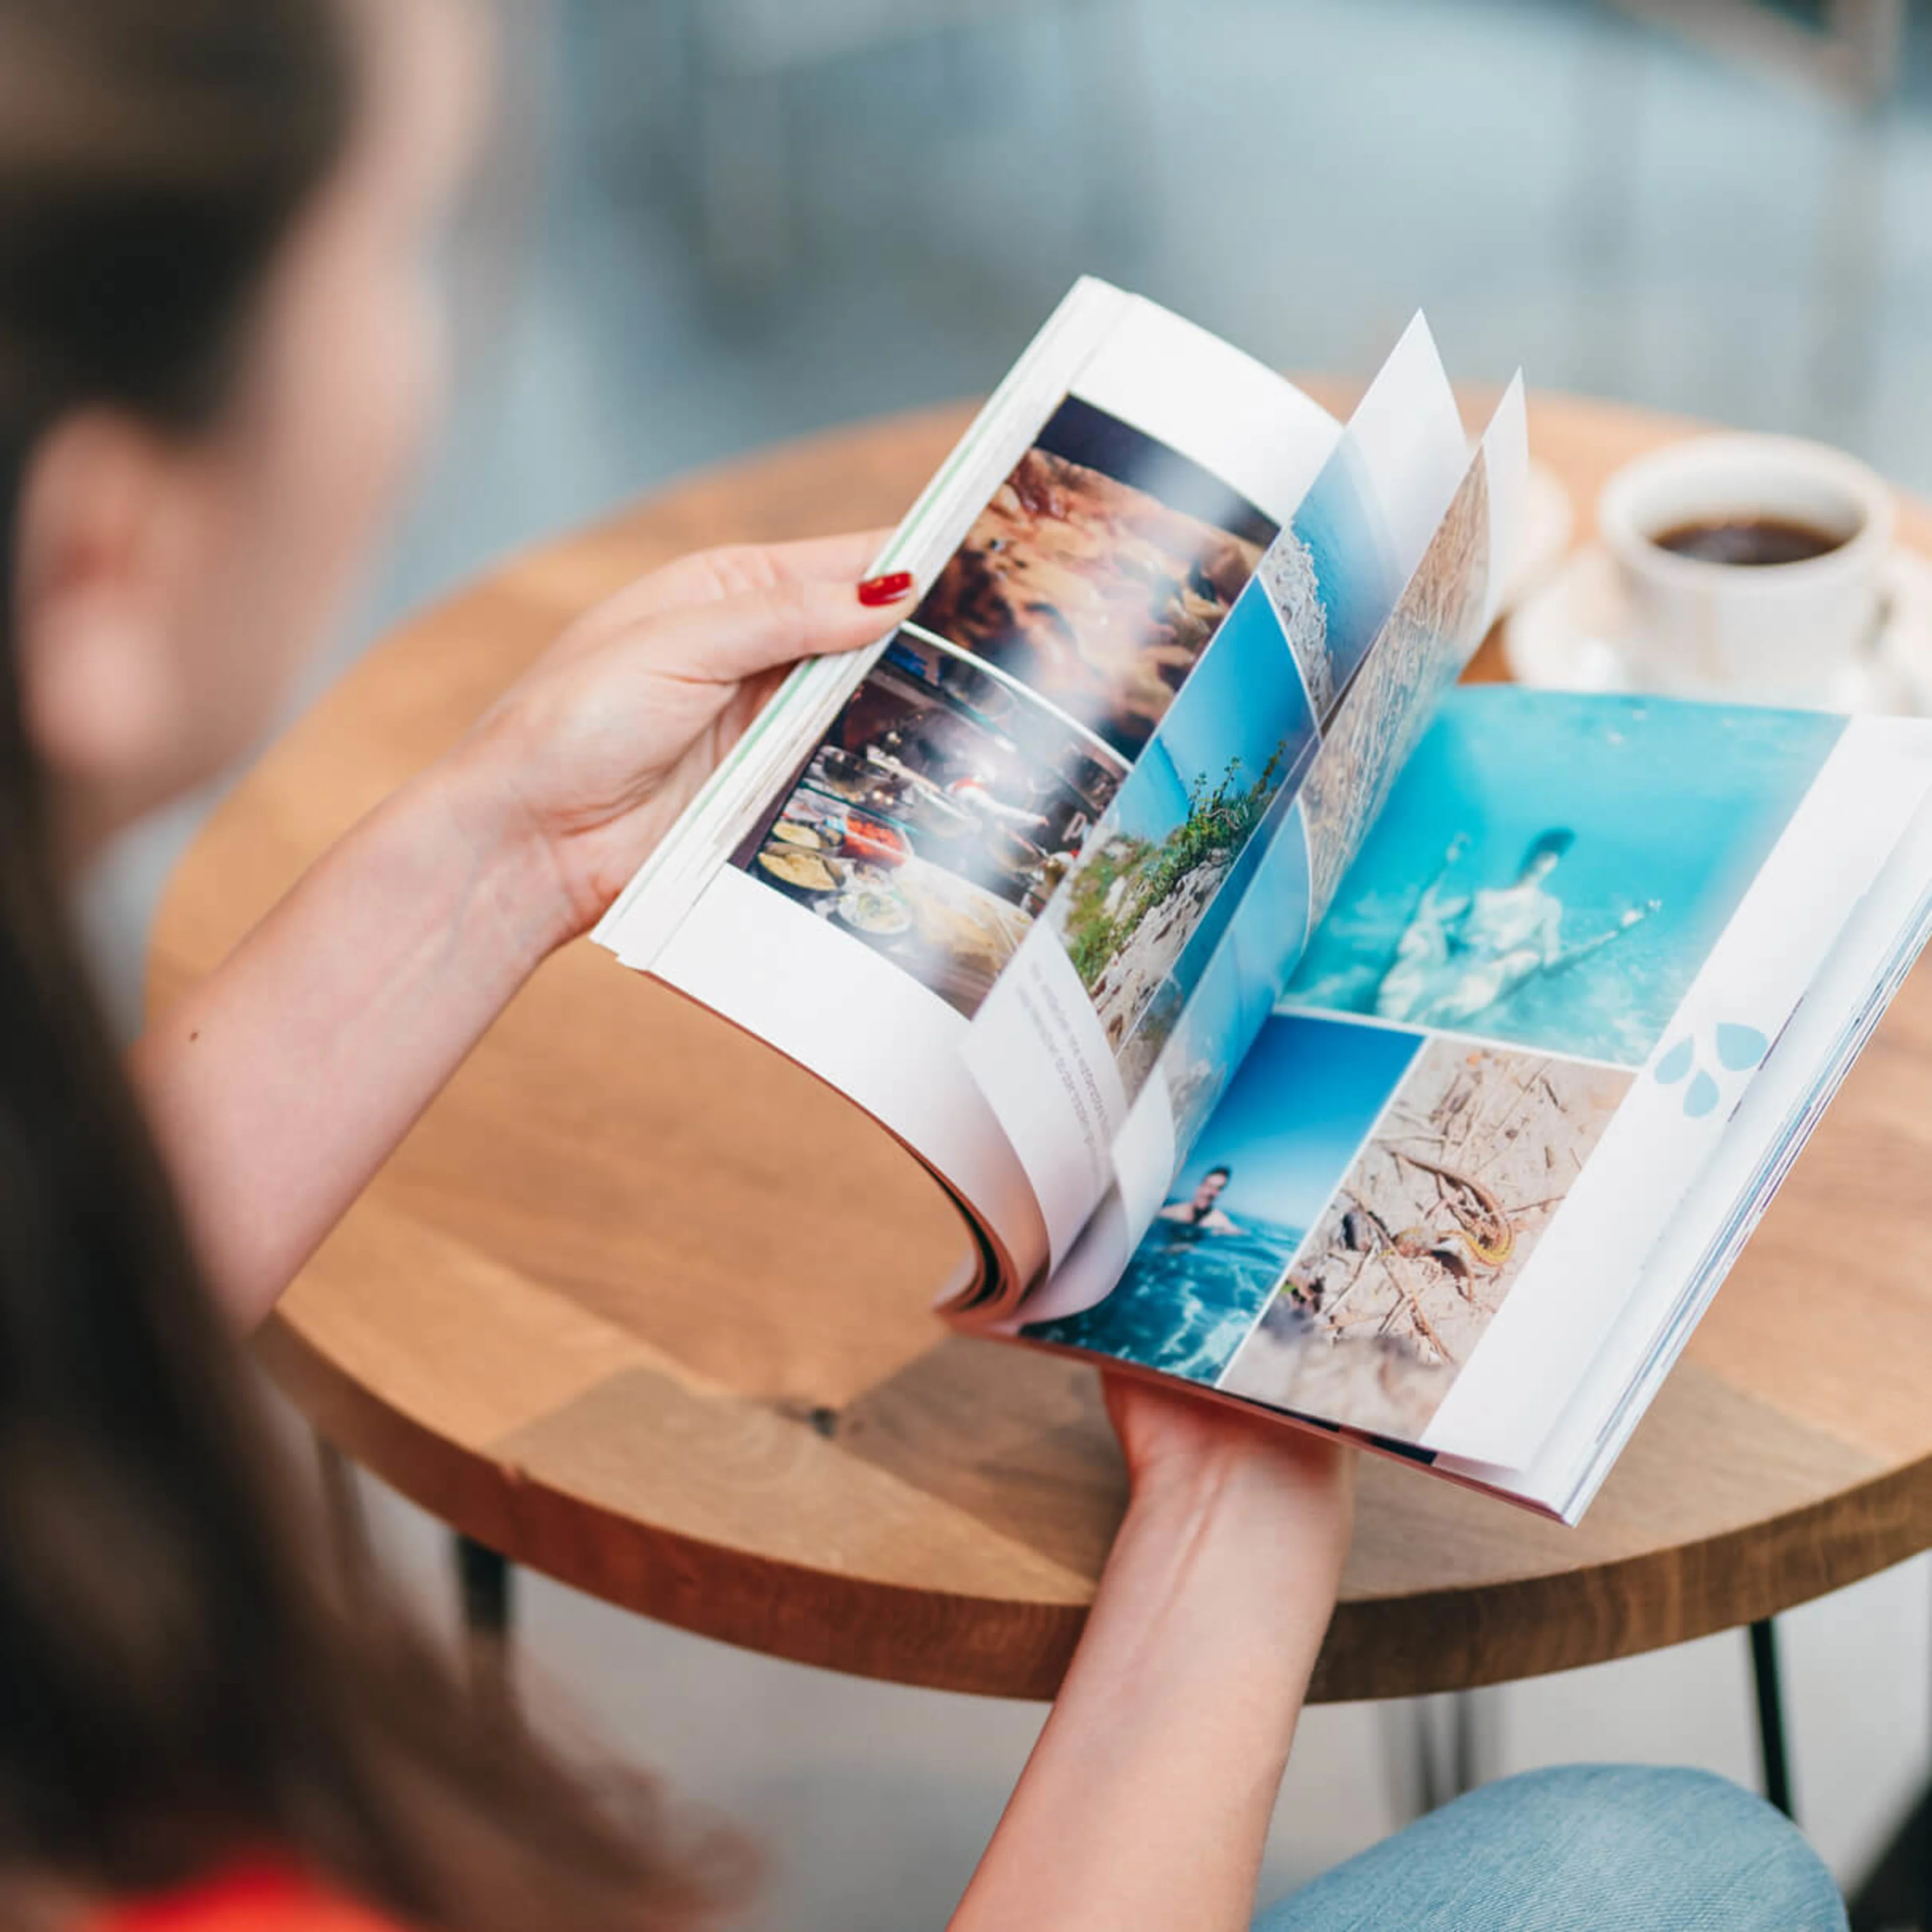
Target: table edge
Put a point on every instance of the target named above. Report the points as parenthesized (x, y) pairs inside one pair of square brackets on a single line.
[(1008, 1648)]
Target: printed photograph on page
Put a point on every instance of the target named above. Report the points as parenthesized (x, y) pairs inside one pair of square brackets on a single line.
[(1427, 1232), (1431, 633), (961, 783), (936, 816), (1553, 874), (1310, 646), (1138, 914), (1098, 572), (1259, 1177)]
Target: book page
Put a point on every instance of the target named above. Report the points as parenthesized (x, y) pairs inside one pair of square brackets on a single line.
[(869, 907), (1786, 1100), (1544, 987), (1068, 1036), (1242, 963)]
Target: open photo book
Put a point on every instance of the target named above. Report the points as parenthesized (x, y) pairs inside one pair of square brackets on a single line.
[(1399, 1057)]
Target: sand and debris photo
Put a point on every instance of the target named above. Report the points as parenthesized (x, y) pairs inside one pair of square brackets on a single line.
[(1428, 638), (1287, 575), (1432, 1227)]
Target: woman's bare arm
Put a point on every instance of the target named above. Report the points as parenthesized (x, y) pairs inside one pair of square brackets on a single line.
[(280, 1085), (1146, 1802)]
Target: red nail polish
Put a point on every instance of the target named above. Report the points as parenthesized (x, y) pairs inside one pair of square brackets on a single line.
[(887, 589)]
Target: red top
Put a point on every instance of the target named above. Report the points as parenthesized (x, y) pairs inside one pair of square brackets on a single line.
[(259, 1899)]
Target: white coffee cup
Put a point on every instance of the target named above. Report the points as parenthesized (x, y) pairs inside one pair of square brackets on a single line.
[(1780, 633)]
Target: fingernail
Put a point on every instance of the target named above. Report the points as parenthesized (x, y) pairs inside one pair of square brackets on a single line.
[(887, 589)]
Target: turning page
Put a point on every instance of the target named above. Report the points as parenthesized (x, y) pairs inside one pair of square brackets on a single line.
[(1063, 1047), (1395, 664)]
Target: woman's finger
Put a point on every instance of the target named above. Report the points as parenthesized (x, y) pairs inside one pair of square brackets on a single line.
[(708, 577), (733, 570), (721, 643), (844, 559)]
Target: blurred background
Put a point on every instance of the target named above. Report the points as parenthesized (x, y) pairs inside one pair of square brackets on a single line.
[(705, 225)]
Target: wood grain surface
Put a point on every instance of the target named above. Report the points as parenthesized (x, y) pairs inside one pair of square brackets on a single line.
[(646, 1307)]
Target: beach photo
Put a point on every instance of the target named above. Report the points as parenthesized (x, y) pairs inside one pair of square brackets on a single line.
[(1331, 576), (1553, 870), (1264, 1166), (1098, 572), (936, 816), (1433, 1224), (1204, 1048), (1234, 974), (1419, 653), (1147, 884)]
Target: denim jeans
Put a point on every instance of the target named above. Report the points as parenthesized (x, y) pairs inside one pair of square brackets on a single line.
[(1600, 1848)]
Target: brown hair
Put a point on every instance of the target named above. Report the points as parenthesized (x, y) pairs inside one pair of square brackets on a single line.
[(179, 1688)]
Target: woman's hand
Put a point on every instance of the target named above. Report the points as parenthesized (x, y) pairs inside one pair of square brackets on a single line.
[(591, 756), (1172, 1440), (280, 1083)]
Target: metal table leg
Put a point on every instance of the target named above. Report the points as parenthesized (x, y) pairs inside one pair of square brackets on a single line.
[(483, 1578), (1773, 1761)]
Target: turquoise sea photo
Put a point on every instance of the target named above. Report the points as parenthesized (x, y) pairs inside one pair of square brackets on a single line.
[(1274, 1151), (1551, 871)]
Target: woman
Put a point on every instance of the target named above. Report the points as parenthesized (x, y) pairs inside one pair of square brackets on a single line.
[(214, 354)]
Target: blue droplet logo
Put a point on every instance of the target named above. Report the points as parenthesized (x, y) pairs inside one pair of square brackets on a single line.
[(1739, 1048)]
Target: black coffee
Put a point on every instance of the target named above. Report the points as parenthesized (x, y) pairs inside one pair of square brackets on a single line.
[(1749, 540)]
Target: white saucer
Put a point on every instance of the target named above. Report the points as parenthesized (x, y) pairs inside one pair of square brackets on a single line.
[(1569, 635)]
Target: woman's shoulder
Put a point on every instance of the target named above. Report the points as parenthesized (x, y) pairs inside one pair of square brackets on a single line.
[(258, 1899)]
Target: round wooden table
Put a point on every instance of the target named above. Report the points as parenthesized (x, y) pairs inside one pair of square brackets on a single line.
[(643, 1306)]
